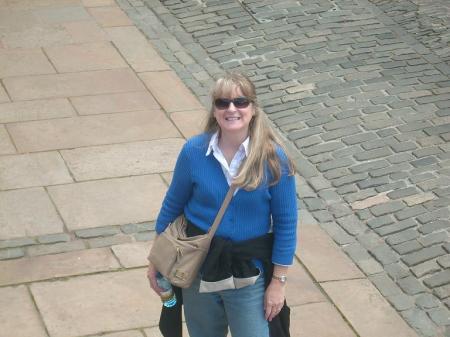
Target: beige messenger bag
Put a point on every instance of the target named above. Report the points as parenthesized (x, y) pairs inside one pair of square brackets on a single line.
[(178, 257)]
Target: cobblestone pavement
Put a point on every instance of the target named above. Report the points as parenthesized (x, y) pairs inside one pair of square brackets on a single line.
[(427, 21), (361, 92)]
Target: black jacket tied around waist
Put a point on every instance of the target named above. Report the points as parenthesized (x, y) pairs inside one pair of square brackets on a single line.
[(227, 259)]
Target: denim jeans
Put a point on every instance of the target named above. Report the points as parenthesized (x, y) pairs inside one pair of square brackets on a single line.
[(210, 314)]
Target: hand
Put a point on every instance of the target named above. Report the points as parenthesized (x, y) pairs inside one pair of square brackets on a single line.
[(274, 299), (151, 275)]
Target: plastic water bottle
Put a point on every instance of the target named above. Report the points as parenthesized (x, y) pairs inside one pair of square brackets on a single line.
[(168, 297)]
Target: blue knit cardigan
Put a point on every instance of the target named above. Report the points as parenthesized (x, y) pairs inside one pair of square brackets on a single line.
[(199, 186)]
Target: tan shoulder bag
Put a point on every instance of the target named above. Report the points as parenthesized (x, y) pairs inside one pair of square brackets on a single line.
[(179, 257)]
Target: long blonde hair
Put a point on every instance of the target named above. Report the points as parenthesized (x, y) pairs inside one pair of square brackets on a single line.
[(263, 141)]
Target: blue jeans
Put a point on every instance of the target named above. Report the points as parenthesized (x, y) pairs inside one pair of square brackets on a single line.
[(210, 314)]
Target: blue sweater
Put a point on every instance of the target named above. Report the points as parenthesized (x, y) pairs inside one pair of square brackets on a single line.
[(199, 186)]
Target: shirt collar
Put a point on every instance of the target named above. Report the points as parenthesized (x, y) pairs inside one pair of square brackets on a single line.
[(214, 144)]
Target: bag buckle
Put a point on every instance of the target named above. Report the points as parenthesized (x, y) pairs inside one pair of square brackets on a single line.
[(180, 274)]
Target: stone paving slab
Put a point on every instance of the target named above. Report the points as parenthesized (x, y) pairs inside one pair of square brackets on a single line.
[(109, 202), (154, 332), (96, 162), (22, 29), (56, 248), (35, 110), (135, 48), (17, 19), (167, 177), (318, 319), (36, 216), (110, 16), (21, 319), (162, 82), (6, 146), (91, 130), (126, 295), (49, 14), (322, 257), (33, 169), (302, 289), (353, 297), (129, 333), (47, 267), (190, 123), (131, 255), (3, 95), (98, 3), (85, 57), (34, 38), (20, 62), (111, 103), (72, 84), (30, 4), (83, 32)]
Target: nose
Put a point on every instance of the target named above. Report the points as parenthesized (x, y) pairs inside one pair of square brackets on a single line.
[(231, 107)]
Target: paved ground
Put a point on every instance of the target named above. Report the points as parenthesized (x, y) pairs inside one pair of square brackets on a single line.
[(92, 116), (361, 91)]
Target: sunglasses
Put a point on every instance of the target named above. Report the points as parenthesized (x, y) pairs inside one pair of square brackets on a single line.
[(238, 102)]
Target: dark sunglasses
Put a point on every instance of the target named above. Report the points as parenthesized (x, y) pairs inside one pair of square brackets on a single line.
[(238, 102)]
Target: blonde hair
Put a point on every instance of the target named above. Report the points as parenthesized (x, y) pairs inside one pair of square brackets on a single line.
[(263, 141)]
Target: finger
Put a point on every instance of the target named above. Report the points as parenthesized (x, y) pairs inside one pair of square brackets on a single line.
[(267, 312), (266, 305), (152, 282), (275, 311), (155, 286), (151, 275), (270, 313)]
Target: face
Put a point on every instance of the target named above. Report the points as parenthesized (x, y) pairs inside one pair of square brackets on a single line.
[(234, 119)]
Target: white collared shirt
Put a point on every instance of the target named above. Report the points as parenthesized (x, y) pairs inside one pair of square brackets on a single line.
[(230, 171)]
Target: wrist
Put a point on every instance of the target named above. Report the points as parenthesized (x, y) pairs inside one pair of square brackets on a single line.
[(282, 279)]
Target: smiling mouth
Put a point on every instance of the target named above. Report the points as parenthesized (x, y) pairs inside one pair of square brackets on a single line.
[(232, 118)]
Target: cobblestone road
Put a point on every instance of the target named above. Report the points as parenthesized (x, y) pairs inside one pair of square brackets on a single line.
[(361, 92)]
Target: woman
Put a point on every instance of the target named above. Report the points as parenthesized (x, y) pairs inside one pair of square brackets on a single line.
[(242, 293)]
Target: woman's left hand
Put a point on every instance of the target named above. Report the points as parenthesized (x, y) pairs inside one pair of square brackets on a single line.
[(274, 299)]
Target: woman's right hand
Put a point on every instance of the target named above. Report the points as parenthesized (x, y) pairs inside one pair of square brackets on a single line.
[(151, 275)]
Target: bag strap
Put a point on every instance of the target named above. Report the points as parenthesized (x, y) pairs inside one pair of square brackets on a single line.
[(226, 201)]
